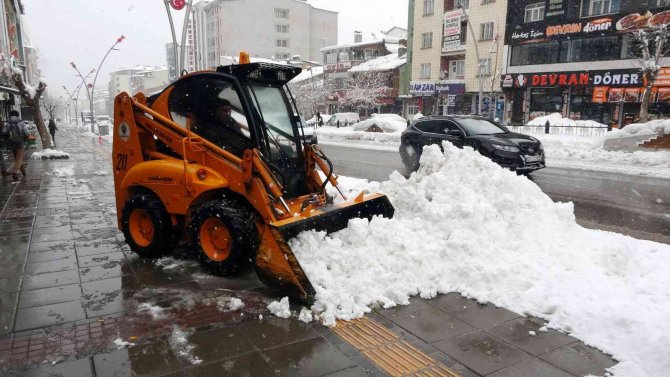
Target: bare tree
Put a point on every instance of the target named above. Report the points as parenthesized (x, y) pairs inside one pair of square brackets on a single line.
[(365, 90), (310, 95), (653, 44), (50, 104), (30, 94)]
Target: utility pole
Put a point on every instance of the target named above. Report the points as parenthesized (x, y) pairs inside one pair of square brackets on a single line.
[(183, 37), (479, 60)]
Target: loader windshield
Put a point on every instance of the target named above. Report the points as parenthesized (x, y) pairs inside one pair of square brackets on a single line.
[(277, 114)]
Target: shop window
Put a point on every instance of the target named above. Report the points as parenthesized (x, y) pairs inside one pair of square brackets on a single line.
[(486, 31), (425, 71), (595, 49), (427, 40), (344, 56), (545, 101), (412, 108), (592, 8), (456, 69), (371, 53), (534, 12), (359, 55), (464, 32), (331, 58)]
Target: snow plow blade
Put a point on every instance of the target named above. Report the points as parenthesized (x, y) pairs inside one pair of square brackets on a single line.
[(278, 267)]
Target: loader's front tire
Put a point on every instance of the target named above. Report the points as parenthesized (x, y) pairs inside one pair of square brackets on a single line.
[(225, 237), (147, 226)]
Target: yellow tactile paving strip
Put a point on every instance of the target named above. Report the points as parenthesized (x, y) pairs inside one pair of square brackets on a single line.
[(390, 353)]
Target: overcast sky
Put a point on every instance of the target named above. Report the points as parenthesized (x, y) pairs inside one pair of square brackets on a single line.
[(83, 30)]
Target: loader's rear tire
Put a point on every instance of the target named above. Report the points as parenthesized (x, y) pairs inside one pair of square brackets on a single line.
[(224, 236), (147, 226)]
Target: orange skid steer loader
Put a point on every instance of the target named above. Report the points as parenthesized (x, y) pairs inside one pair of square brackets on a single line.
[(218, 160)]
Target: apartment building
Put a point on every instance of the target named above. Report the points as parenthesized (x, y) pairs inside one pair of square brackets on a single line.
[(456, 49), (273, 29), (145, 79), (580, 58)]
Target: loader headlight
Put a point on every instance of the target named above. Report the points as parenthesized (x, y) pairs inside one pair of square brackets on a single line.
[(202, 174), (505, 148)]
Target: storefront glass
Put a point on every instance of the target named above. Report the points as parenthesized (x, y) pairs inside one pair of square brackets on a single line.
[(545, 101)]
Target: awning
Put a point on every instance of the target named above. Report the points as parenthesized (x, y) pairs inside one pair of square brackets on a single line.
[(8, 89)]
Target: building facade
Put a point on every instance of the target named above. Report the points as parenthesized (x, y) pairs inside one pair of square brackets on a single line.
[(456, 53), (273, 29), (580, 59), (148, 80), (199, 44), (341, 62)]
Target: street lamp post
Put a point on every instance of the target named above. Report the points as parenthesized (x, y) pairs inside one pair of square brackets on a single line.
[(95, 79), (479, 60)]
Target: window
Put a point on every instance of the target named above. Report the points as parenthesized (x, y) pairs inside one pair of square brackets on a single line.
[(282, 42), (486, 31), (331, 58), (534, 12), (594, 49), (446, 126), (456, 69), (428, 7), (281, 55), (662, 3), (464, 32), (281, 13), (281, 28), (488, 2), (465, 4), (598, 7), (427, 40), (430, 126), (485, 67), (425, 71), (359, 55), (371, 53)]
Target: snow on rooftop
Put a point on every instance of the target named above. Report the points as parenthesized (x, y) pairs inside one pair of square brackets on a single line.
[(307, 74), (384, 39), (384, 63)]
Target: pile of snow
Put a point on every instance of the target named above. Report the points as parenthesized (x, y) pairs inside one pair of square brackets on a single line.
[(387, 123), (155, 311), (381, 64), (654, 127), (463, 224), (121, 344), (556, 119), (182, 347), (230, 304), (281, 308), (64, 172), (49, 154), (345, 135), (308, 74), (418, 116)]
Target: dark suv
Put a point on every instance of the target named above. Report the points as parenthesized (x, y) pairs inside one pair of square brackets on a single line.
[(521, 153)]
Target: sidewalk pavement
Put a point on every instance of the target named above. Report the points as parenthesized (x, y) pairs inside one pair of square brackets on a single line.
[(74, 301)]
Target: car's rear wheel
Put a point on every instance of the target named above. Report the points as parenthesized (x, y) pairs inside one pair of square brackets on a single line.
[(410, 155)]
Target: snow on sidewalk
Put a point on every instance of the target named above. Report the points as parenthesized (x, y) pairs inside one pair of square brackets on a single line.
[(463, 224)]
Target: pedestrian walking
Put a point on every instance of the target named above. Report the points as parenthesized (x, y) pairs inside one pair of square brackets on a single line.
[(15, 132), (319, 119), (52, 131)]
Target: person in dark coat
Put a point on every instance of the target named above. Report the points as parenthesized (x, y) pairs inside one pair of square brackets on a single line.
[(16, 133), (52, 130)]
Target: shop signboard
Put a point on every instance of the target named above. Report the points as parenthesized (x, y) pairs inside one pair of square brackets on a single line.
[(451, 100), (599, 94), (422, 89), (337, 67), (631, 95), (663, 77), (616, 94), (562, 21), (448, 88), (663, 95), (452, 31), (616, 77)]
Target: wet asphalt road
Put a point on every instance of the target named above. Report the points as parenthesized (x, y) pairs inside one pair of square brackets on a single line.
[(632, 205)]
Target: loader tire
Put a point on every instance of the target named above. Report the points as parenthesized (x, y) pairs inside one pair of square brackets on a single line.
[(147, 226), (225, 237), (410, 155)]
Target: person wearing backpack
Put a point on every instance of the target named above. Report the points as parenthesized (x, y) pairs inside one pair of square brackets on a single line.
[(16, 133)]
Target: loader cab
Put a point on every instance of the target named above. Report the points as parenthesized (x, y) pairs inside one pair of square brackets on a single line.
[(261, 115)]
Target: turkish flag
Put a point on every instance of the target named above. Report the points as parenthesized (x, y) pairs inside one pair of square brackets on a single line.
[(178, 4)]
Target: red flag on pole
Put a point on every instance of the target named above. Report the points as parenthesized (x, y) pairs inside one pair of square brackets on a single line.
[(178, 4)]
